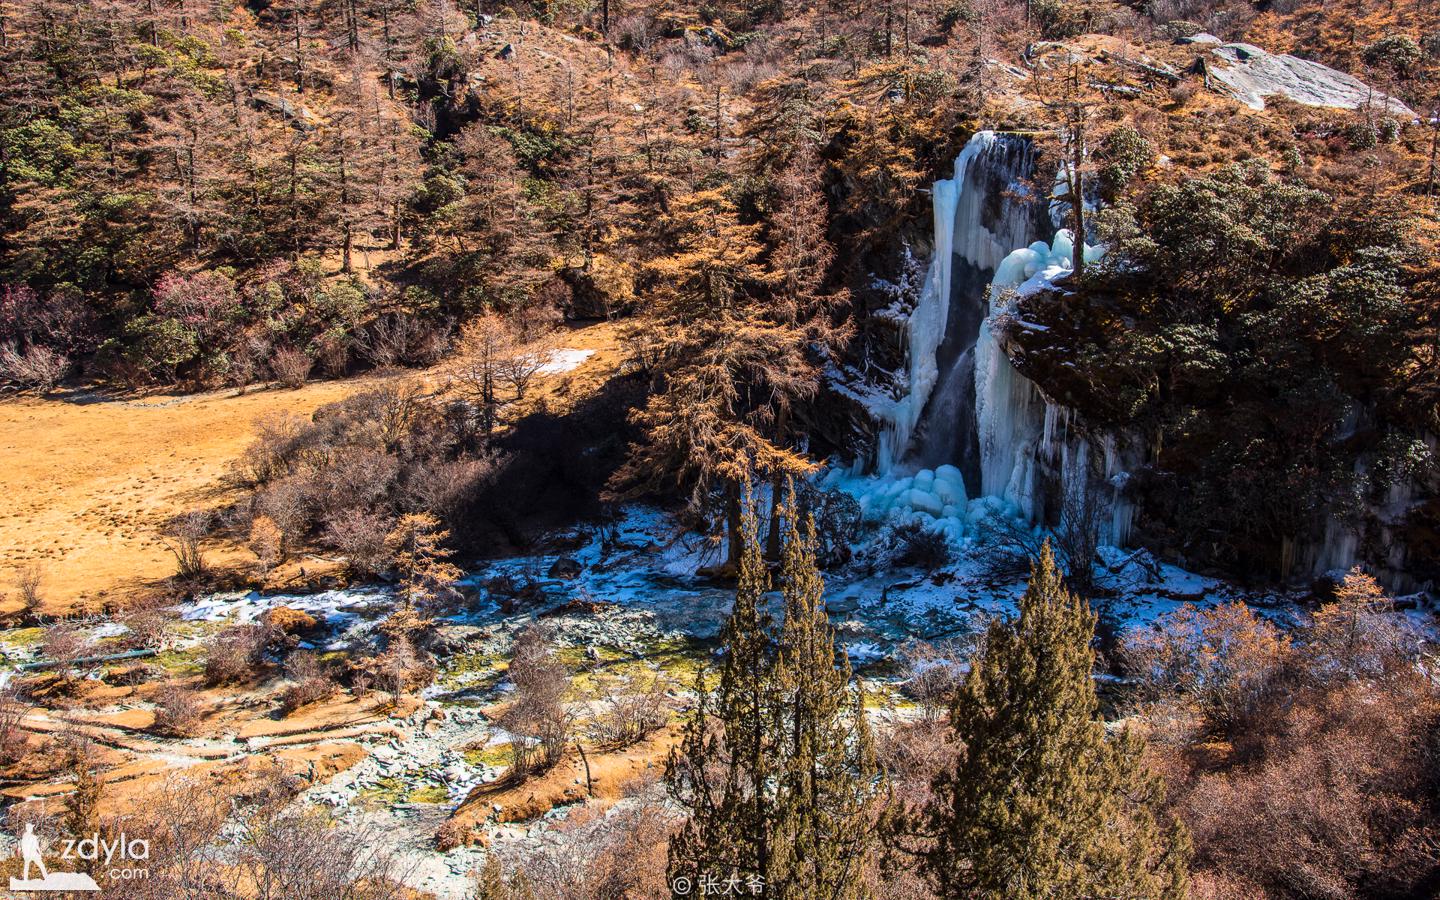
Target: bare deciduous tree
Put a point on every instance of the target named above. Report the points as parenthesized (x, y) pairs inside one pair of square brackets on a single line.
[(291, 366), (933, 673), (631, 709), (303, 855), (28, 581), (496, 362), (184, 535), (63, 644), (12, 736), (360, 537), (1082, 509), (539, 717)]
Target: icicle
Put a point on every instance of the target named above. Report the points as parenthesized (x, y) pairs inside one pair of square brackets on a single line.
[(926, 327), (1011, 428)]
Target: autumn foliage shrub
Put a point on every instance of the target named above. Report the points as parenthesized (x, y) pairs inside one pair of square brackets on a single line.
[(1338, 799), (234, 655), (177, 710), (1224, 659), (1327, 781)]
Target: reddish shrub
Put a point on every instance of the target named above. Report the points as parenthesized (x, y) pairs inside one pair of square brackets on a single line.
[(177, 710), (1337, 797)]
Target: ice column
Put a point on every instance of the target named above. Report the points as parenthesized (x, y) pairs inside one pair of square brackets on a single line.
[(926, 327)]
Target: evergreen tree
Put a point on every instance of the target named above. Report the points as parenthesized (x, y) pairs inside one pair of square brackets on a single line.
[(1040, 803), (723, 768), (777, 766), (823, 830)]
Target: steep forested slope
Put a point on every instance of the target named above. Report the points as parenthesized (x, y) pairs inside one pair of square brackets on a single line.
[(237, 192)]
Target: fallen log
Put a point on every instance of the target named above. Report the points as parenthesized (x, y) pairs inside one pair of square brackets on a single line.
[(42, 664)]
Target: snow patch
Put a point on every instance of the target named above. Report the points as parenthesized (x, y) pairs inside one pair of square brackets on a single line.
[(565, 360)]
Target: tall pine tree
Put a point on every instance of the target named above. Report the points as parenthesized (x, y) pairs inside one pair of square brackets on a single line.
[(1040, 803)]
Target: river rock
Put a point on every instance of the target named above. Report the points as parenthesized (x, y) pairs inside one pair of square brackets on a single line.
[(566, 568), (447, 640)]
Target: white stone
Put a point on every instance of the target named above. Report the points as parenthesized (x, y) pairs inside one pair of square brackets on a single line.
[(1250, 74)]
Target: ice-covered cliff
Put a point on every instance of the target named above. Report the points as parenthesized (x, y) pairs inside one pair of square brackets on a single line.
[(970, 436)]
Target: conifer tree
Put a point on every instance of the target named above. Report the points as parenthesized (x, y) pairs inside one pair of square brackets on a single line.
[(427, 578), (711, 349), (823, 829), (1039, 802), (800, 259), (723, 767), (777, 766)]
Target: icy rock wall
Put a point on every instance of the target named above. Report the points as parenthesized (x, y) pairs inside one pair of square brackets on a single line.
[(1016, 422), (981, 214), (961, 388)]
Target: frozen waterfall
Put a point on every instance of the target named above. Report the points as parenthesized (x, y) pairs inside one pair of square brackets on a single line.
[(981, 214), (967, 437), (1013, 417), (926, 327), (971, 438)]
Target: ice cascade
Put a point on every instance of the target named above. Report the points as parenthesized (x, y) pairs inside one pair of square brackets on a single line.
[(926, 327), (963, 441)]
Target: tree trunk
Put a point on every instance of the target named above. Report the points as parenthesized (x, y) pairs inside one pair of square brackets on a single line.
[(733, 527), (1077, 198), (1434, 151), (777, 485), (348, 248), (772, 539)]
